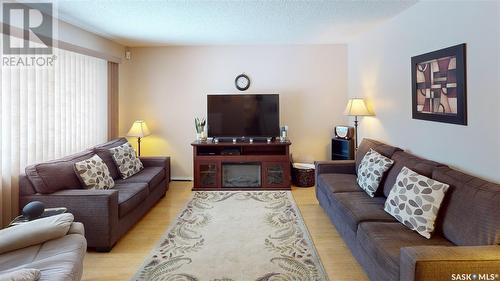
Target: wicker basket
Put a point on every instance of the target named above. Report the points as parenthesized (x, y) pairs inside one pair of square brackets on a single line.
[(303, 175)]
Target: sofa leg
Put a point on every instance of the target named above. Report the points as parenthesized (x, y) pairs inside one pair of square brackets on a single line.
[(103, 249)]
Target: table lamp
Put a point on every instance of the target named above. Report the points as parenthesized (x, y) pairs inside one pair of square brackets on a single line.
[(357, 107), (139, 130)]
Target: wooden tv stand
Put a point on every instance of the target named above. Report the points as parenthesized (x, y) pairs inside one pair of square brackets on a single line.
[(241, 165)]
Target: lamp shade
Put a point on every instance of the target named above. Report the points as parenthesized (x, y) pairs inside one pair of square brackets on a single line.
[(357, 107), (139, 130)]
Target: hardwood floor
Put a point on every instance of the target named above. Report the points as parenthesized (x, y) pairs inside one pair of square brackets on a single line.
[(129, 253)]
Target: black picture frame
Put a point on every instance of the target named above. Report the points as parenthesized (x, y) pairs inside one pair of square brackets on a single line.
[(460, 116)]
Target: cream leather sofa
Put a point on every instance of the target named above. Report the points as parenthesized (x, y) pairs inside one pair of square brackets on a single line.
[(52, 247)]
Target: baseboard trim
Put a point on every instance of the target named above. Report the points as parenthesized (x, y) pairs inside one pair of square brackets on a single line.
[(182, 178)]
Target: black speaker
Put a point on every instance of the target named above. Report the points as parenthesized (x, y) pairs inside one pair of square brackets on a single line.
[(33, 210)]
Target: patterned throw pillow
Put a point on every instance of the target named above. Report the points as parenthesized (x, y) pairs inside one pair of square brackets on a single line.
[(124, 157), (23, 274), (94, 173), (371, 169), (414, 200)]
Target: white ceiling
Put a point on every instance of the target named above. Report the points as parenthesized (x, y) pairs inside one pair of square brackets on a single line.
[(148, 23)]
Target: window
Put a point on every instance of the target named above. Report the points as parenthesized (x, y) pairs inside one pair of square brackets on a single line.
[(47, 113)]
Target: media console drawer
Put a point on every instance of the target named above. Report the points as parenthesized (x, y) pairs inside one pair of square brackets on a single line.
[(248, 166)]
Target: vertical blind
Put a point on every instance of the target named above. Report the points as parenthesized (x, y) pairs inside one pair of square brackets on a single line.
[(46, 113), (112, 100)]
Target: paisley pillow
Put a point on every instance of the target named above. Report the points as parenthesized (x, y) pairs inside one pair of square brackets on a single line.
[(23, 274), (415, 200), (371, 170), (94, 173), (124, 156)]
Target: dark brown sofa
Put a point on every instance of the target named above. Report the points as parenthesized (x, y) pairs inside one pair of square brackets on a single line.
[(467, 234), (106, 214)]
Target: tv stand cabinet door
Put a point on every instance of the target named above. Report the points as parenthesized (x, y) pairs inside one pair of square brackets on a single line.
[(276, 174), (207, 174)]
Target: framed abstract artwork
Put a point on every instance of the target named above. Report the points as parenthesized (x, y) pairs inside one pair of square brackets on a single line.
[(439, 86)]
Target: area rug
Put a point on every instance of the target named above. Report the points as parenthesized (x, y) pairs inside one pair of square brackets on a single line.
[(235, 236)]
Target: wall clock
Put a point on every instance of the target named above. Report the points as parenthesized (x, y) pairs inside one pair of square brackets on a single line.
[(242, 82)]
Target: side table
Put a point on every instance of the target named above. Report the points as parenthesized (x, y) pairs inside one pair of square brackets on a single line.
[(342, 149)]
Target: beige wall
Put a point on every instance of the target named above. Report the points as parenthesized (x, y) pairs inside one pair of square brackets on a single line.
[(379, 68), (167, 87)]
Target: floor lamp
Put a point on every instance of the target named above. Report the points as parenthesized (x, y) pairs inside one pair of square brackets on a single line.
[(357, 107), (139, 130)]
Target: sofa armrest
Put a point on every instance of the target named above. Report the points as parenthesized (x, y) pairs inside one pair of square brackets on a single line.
[(96, 209), (336, 166), (442, 262), (34, 232), (157, 161)]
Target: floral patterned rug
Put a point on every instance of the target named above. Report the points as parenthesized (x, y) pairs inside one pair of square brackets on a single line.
[(235, 236)]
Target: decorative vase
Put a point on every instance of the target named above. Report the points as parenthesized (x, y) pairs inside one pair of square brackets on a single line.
[(203, 136), (198, 136)]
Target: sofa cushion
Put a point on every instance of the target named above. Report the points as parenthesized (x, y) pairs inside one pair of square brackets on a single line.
[(470, 213), (93, 173), (60, 258), (16, 258), (130, 195), (25, 186), (382, 242), (51, 176), (356, 207), (338, 182), (103, 151), (56, 259), (402, 159), (149, 175), (77, 228), (415, 201), (371, 171)]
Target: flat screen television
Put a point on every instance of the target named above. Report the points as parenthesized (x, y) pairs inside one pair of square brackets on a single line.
[(244, 115)]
